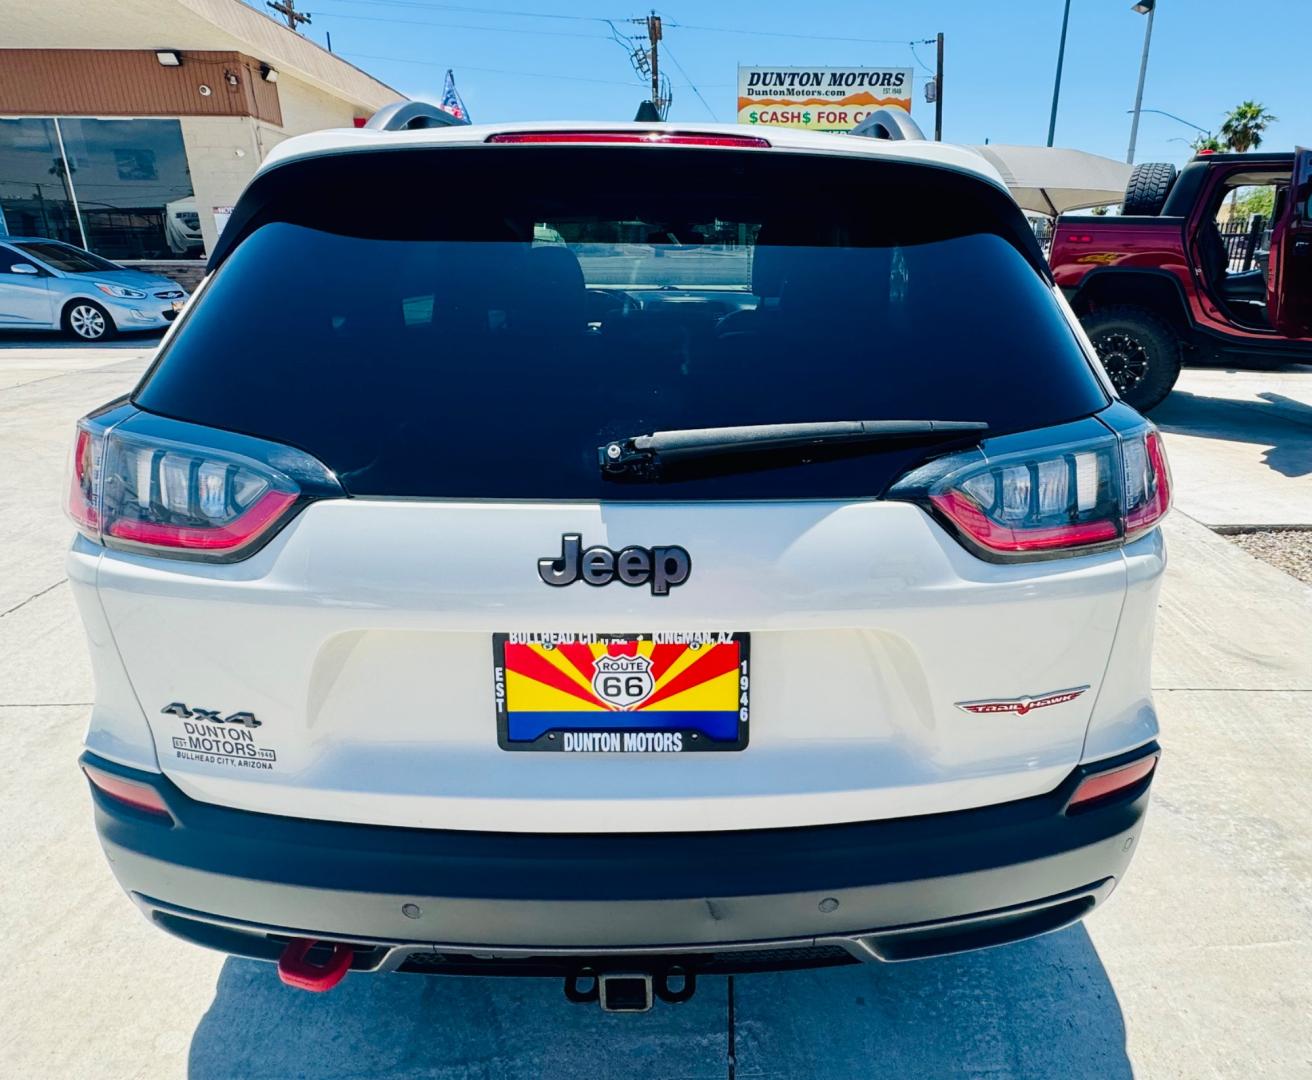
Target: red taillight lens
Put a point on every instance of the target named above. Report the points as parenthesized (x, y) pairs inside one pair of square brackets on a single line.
[(84, 481), (244, 527), (1102, 490), (1037, 501), (1147, 483), (142, 493), (139, 796), (664, 138), (1104, 785)]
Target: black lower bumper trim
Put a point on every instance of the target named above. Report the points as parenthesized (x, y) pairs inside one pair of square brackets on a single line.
[(678, 893)]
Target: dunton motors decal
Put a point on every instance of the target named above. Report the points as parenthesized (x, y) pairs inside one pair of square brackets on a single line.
[(213, 739), (1021, 705)]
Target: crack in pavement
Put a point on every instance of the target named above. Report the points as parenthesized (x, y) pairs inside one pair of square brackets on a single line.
[(34, 596)]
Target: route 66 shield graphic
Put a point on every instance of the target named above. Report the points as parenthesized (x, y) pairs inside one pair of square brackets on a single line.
[(623, 681)]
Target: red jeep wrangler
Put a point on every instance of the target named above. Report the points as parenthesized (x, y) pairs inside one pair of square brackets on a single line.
[(1157, 286)]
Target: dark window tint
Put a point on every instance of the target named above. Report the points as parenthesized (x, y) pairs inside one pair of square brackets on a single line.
[(70, 259), (506, 311)]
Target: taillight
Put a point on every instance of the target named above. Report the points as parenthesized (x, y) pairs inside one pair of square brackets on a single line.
[(84, 481), (143, 491), (1084, 488), (663, 138), (1147, 483), (1106, 785), (136, 795)]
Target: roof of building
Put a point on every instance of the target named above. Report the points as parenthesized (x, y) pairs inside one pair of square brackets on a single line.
[(915, 151), (199, 25)]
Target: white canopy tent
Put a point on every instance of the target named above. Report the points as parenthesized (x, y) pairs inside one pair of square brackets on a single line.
[(1049, 180)]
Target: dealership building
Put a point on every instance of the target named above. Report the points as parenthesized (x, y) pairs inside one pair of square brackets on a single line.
[(131, 127)]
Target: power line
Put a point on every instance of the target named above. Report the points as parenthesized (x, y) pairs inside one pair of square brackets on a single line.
[(800, 37), (912, 46), (679, 67), (494, 71), (480, 10), (461, 26)]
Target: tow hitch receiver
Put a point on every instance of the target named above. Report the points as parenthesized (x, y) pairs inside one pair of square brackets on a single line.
[(624, 992), (629, 991), (296, 969)]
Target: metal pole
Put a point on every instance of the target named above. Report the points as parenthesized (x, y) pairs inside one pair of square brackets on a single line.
[(1056, 82), (1138, 97), (72, 191), (938, 96)]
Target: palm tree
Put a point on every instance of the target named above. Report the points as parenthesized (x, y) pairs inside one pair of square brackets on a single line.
[(1243, 126), (1242, 131), (1207, 142)]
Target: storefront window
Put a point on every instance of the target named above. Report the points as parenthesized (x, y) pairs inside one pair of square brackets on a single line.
[(133, 188), (34, 196)]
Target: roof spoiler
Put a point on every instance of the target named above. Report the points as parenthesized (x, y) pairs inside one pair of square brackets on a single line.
[(411, 116), (889, 122)]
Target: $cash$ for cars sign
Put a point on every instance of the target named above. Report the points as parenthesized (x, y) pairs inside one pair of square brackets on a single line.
[(821, 98)]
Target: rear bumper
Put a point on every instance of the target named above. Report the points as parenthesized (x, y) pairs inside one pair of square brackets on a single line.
[(540, 903)]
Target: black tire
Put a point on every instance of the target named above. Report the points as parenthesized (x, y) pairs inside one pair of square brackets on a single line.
[(1139, 350), (87, 321), (1149, 185)]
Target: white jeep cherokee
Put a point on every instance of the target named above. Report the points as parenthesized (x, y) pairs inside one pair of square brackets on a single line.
[(619, 553)]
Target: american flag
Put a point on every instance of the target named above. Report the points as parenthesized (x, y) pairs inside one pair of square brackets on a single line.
[(451, 100)]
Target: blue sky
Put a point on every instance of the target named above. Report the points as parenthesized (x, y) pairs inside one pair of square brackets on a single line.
[(1207, 55)]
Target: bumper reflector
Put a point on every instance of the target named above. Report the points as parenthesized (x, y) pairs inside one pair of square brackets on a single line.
[(1103, 785), (139, 796)]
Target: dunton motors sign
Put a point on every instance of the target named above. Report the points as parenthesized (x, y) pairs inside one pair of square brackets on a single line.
[(819, 99)]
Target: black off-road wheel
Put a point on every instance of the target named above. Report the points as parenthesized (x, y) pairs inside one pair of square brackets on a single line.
[(1149, 185), (1139, 350)]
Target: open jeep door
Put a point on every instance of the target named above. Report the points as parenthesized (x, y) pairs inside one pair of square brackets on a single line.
[(1289, 301)]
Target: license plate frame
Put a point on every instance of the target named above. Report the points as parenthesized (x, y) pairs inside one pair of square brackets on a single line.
[(524, 673)]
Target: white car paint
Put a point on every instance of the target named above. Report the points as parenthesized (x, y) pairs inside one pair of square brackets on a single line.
[(372, 677), (361, 639)]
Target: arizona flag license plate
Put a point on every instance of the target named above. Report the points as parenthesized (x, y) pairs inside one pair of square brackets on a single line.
[(665, 692)]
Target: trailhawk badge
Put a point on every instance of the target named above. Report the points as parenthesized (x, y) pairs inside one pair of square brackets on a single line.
[(1021, 705), (623, 681)]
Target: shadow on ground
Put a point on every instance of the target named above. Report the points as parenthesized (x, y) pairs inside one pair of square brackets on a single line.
[(27, 339), (1038, 1009), (1288, 441)]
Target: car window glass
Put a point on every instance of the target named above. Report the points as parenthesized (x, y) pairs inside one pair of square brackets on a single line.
[(488, 352), (69, 259)]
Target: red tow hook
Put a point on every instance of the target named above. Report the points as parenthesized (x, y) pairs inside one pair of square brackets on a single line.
[(295, 970)]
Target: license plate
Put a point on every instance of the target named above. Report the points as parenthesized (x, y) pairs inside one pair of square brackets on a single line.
[(177, 305), (663, 692)]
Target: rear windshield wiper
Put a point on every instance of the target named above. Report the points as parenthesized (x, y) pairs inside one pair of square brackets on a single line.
[(641, 456)]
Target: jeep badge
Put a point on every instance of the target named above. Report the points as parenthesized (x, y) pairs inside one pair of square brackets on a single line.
[(660, 567)]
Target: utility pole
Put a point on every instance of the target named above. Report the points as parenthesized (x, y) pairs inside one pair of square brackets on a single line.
[(938, 96), (1056, 83), (654, 36), (287, 9)]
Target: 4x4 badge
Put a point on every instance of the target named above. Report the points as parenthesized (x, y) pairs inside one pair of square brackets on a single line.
[(1021, 705), (210, 716)]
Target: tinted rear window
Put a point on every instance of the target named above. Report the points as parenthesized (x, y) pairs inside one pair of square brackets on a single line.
[(476, 323)]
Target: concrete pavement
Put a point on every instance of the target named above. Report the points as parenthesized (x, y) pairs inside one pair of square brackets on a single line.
[(1240, 445), (1199, 966)]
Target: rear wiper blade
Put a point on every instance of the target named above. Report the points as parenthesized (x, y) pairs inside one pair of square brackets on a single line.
[(642, 456)]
